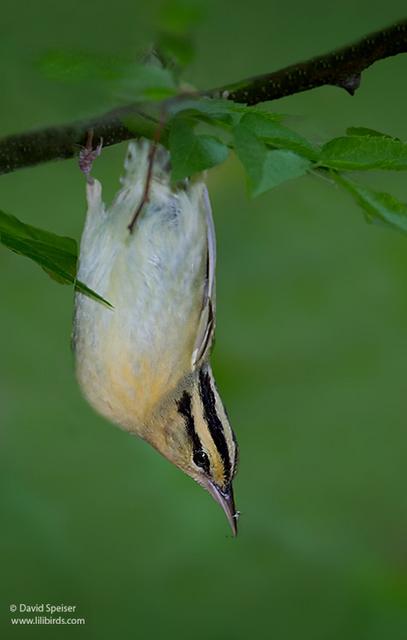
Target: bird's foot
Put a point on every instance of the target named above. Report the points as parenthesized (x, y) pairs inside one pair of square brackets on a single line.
[(87, 156)]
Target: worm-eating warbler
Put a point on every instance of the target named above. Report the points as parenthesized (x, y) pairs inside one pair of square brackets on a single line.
[(144, 364)]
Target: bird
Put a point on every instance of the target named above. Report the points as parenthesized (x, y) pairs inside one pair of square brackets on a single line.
[(144, 361)]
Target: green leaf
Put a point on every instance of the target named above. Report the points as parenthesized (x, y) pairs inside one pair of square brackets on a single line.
[(364, 152), (365, 131), (190, 152), (57, 255), (113, 76), (266, 168), (267, 128), (380, 208), (146, 82), (218, 110), (179, 49), (211, 110), (142, 126), (80, 66)]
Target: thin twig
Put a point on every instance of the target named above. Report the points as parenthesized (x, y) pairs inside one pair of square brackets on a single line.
[(341, 68), (151, 157)]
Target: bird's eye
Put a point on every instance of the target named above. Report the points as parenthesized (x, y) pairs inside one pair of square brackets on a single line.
[(201, 460)]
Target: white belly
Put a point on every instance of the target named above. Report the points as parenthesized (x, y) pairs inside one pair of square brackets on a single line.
[(128, 358)]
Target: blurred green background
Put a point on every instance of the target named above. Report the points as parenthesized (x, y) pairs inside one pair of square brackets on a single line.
[(311, 359)]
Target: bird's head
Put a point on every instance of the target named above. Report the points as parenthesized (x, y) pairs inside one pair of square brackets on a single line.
[(198, 438)]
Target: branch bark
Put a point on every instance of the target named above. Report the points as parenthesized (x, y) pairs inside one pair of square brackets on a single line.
[(64, 141), (341, 68)]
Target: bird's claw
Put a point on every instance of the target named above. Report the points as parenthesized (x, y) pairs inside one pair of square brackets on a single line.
[(87, 156)]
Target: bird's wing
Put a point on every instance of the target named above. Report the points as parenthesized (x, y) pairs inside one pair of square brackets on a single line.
[(206, 327)]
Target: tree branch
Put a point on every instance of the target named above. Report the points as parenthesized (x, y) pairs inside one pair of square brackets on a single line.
[(63, 141), (341, 68)]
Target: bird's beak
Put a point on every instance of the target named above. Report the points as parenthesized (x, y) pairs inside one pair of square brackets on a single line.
[(226, 500)]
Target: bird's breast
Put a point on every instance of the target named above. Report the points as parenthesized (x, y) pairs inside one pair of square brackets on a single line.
[(130, 357)]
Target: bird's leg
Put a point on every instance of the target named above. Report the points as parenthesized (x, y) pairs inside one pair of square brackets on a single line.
[(87, 156)]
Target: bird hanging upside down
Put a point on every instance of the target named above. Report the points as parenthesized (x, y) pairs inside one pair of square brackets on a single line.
[(144, 364)]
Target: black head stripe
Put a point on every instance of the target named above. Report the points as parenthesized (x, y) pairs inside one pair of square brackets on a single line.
[(185, 409), (212, 419)]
